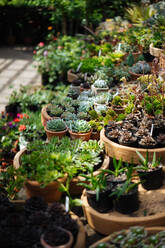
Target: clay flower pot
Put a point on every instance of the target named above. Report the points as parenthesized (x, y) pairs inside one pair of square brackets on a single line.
[(50, 193), (51, 134), (154, 51), (71, 76), (44, 115), (49, 238), (83, 136)]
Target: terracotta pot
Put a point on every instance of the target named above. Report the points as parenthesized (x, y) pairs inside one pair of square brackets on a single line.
[(150, 230), (71, 76), (59, 134), (154, 51), (107, 223), (135, 76), (67, 245), (95, 136), (44, 115), (50, 193), (83, 136), (76, 189), (98, 90), (128, 154)]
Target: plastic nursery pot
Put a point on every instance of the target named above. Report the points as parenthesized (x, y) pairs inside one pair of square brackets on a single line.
[(128, 203), (104, 204), (54, 238), (83, 136), (152, 179), (59, 134)]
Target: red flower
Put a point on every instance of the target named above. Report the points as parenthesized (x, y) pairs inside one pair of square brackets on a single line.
[(55, 38), (20, 116), (41, 44), (22, 128), (34, 52), (16, 120)]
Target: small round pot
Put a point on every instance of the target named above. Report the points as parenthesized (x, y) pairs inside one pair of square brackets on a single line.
[(59, 134), (83, 136), (128, 203), (66, 245), (152, 179), (98, 90), (104, 204), (135, 76), (154, 51)]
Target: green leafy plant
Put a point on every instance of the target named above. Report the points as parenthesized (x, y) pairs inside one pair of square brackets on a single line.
[(118, 168), (146, 163), (94, 182)]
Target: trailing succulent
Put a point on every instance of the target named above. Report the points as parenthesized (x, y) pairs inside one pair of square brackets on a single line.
[(56, 125), (141, 67)]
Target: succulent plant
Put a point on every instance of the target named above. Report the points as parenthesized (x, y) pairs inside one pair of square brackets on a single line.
[(141, 67), (127, 137), (80, 126), (55, 111), (99, 83), (147, 142), (68, 116), (56, 125)]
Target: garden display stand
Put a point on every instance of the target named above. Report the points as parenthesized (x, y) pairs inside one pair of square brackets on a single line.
[(128, 154), (112, 221), (150, 230)]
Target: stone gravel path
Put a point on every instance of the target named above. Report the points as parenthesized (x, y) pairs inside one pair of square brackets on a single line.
[(16, 69)]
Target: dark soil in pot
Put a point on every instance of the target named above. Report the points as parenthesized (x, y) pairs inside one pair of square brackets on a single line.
[(152, 179), (128, 203), (148, 57), (116, 180), (104, 204), (51, 237)]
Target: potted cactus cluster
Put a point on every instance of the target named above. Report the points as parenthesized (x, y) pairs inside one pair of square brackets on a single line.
[(55, 127)]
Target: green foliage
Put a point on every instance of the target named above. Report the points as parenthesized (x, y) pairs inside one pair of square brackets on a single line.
[(56, 125), (146, 163), (130, 59), (118, 168), (100, 84), (93, 182)]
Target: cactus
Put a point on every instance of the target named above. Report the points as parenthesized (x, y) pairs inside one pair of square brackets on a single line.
[(56, 125)]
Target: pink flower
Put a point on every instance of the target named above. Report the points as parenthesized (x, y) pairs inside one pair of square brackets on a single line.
[(41, 44), (59, 47), (34, 52), (45, 53)]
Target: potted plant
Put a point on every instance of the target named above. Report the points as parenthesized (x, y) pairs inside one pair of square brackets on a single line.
[(57, 237), (139, 68), (150, 172), (96, 128), (126, 194), (99, 86), (97, 190), (80, 129), (55, 127)]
